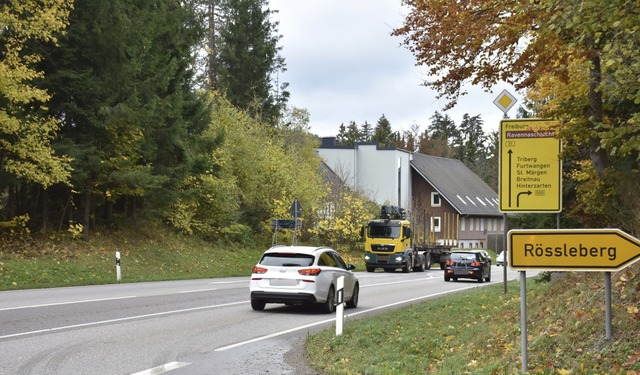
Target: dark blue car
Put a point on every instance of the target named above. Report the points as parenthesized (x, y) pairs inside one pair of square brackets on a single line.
[(468, 264)]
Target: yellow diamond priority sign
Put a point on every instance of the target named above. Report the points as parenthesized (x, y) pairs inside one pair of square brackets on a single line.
[(505, 101)]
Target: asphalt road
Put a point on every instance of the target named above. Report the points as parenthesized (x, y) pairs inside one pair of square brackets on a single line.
[(203, 326)]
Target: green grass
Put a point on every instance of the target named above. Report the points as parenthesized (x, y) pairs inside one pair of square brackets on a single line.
[(148, 253), (149, 256), (478, 332)]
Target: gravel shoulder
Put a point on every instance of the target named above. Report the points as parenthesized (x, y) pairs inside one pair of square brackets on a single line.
[(296, 358)]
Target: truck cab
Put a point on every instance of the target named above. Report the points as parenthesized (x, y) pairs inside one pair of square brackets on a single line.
[(387, 241), (386, 244)]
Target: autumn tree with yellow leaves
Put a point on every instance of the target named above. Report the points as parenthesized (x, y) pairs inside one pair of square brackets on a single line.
[(579, 61), (26, 131)]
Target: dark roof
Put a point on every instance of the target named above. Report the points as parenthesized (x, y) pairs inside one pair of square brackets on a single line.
[(329, 176), (457, 184)]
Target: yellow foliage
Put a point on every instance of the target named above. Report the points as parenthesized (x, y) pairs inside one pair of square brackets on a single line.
[(24, 136)]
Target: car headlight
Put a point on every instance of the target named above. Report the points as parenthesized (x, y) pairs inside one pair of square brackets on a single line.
[(366, 257)]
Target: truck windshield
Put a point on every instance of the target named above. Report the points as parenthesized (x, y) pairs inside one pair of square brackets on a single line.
[(384, 231)]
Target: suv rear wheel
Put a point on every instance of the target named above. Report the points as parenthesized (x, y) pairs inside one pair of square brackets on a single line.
[(330, 304), (353, 302), (257, 305)]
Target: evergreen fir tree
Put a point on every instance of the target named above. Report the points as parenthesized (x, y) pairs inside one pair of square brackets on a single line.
[(248, 61), (382, 132)]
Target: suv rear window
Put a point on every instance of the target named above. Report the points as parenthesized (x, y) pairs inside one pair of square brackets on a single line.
[(463, 256), (287, 260)]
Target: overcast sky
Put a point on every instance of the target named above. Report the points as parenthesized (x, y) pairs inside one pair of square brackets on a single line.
[(343, 65)]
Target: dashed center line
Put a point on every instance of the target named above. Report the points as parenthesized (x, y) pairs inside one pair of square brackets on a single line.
[(119, 320), (197, 290), (64, 303)]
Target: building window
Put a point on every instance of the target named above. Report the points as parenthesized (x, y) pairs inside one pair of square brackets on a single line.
[(435, 224), (463, 222), (435, 200)]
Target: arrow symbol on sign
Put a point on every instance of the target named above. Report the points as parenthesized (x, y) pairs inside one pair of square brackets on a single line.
[(519, 194), (510, 152)]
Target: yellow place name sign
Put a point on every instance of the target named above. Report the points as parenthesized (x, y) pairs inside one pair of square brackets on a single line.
[(572, 249)]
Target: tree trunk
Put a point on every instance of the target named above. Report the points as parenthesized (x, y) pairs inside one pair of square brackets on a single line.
[(599, 157), (213, 75), (12, 202), (45, 210), (86, 217)]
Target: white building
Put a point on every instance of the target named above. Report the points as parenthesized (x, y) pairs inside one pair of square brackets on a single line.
[(381, 173)]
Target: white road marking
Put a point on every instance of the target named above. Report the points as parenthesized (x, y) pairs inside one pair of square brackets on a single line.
[(230, 282), (430, 277), (276, 334), (197, 290), (120, 319), (162, 369), (64, 303)]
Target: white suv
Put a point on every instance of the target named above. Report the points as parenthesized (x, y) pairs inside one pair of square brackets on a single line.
[(500, 259), (297, 275)]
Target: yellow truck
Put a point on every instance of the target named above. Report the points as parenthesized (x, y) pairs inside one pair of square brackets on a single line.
[(388, 244)]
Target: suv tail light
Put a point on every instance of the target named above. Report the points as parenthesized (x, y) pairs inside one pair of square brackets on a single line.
[(449, 262), (475, 264), (310, 271), (257, 269)]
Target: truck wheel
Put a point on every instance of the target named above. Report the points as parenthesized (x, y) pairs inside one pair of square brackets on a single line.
[(427, 261), (407, 266), (421, 267)]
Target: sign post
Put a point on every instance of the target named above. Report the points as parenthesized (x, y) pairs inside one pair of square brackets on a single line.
[(296, 212), (573, 250), (530, 179), (118, 272), (340, 306)]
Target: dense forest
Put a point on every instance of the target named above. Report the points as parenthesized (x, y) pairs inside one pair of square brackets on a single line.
[(113, 111)]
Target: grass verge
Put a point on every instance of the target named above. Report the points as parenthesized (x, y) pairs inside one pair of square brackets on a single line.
[(147, 254), (478, 332), (144, 257)]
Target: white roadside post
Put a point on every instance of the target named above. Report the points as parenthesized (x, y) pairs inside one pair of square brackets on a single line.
[(340, 306), (118, 274)]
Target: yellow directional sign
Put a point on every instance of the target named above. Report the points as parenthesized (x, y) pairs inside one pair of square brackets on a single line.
[(572, 249), (530, 166)]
